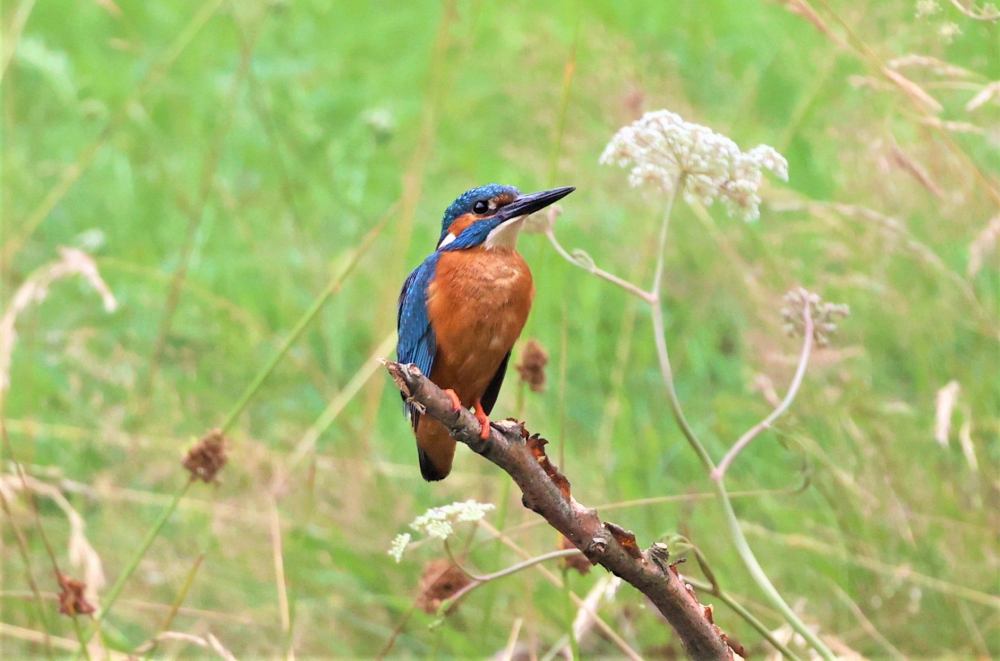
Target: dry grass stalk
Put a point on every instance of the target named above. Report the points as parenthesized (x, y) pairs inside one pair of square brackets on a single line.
[(82, 555), (986, 12), (990, 92), (12, 631), (932, 64), (805, 10), (208, 642), (965, 440), (902, 160), (983, 245), (604, 590), (947, 397), (954, 126), (34, 290)]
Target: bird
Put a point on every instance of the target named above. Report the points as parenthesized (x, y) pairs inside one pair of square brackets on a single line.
[(463, 307)]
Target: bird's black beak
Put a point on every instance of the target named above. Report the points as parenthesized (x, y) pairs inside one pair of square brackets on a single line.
[(525, 205)]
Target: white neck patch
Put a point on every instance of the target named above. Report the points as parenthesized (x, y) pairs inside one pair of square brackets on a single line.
[(446, 240), (505, 235)]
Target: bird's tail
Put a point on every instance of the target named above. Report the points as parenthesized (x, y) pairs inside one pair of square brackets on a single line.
[(435, 448)]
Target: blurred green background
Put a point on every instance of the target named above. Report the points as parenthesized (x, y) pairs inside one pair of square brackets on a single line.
[(223, 161)]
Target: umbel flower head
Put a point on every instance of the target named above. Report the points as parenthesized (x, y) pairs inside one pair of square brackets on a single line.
[(664, 150), (437, 522)]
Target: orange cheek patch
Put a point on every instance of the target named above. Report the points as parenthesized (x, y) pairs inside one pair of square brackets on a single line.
[(461, 223)]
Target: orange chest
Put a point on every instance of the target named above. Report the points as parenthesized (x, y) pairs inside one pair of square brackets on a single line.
[(479, 301)]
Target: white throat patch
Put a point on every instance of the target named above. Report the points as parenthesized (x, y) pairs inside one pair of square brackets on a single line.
[(504, 236), (446, 240)]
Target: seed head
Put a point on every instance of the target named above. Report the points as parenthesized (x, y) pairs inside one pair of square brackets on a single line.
[(207, 457), (532, 365), (439, 582), (824, 315), (72, 601)]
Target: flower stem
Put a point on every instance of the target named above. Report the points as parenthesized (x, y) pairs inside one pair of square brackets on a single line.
[(513, 569), (593, 269), (793, 389), (332, 287), (133, 564), (478, 579), (735, 531), (742, 611)]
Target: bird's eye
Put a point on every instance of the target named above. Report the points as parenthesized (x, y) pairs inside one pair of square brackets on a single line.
[(480, 207)]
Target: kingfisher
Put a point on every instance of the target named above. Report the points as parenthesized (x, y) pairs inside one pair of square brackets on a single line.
[(462, 309)]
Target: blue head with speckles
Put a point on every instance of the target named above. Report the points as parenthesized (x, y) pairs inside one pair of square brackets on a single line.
[(471, 219), (466, 202)]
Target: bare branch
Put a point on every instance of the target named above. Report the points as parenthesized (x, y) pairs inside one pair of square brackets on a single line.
[(546, 492)]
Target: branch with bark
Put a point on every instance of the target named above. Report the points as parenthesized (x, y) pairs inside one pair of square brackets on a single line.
[(547, 492)]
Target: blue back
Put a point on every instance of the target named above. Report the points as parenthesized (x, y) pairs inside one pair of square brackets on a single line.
[(416, 342)]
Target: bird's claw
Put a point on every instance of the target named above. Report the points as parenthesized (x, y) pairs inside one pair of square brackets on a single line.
[(484, 421), (456, 403)]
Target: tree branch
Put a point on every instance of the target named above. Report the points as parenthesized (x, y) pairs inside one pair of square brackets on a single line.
[(547, 492)]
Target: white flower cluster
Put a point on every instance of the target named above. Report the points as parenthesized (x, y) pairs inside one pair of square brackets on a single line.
[(398, 545), (664, 150), (927, 8), (948, 31), (437, 522)]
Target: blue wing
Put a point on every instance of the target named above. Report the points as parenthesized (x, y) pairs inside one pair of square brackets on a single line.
[(416, 337)]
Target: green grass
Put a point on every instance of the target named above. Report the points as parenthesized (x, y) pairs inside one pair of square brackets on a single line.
[(239, 146)]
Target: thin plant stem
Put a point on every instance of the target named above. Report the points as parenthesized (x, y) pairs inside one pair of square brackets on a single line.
[(897, 572), (79, 636), (735, 531), (332, 288), (197, 214), (513, 569), (574, 644), (30, 494), (593, 269), (22, 545), (13, 36), (867, 625), (307, 444), (673, 498), (73, 172), (793, 390), (515, 631), (552, 578), (742, 611), (182, 593), (132, 565), (278, 555)]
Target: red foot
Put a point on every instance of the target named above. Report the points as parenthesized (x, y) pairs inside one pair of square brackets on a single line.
[(456, 403), (484, 420)]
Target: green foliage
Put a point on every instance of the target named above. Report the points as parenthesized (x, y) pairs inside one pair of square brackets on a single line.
[(251, 146)]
